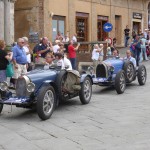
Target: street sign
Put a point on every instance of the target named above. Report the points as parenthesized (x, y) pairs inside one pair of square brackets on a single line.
[(107, 27)]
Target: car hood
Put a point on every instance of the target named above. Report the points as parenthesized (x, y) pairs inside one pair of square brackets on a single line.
[(116, 63), (39, 76)]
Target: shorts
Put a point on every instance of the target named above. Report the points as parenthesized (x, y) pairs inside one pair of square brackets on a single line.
[(22, 70)]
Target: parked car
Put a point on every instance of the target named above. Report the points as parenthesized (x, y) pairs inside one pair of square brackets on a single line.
[(45, 89), (118, 72)]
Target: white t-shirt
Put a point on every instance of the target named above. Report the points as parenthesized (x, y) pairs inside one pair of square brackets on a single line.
[(95, 55), (67, 63), (60, 63), (65, 39), (55, 48), (28, 55), (47, 65)]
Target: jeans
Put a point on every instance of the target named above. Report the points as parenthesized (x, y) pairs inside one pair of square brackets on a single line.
[(126, 38), (143, 50), (138, 52), (73, 63)]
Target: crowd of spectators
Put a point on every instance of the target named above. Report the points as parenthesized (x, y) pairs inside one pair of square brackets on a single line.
[(22, 57)]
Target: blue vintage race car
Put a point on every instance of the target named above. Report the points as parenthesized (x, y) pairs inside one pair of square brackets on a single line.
[(118, 72), (45, 89)]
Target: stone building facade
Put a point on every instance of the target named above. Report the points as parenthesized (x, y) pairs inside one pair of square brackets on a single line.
[(84, 17), (7, 20)]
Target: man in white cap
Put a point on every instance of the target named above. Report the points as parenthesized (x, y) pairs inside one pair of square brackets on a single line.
[(28, 53)]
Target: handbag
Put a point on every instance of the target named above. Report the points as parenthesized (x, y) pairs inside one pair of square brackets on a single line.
[(9, 70)]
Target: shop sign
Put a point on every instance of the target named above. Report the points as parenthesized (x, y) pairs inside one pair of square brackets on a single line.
[(103, 18), (33, 37), (137, 15)]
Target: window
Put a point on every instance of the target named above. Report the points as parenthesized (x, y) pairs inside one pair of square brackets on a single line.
[(82, 26), (58, 24), (101, 34)]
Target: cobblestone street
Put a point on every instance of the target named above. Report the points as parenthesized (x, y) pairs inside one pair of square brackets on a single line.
[(109, 122)]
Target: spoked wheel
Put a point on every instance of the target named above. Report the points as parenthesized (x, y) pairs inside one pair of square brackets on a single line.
[(142, 75), (61, 78), (46, 102), (129, 71), (86, 91), (120, 82), (1, 107)]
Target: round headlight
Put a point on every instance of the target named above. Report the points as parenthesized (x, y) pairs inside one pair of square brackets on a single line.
[(4, 86), (31, 87), (112, 68)]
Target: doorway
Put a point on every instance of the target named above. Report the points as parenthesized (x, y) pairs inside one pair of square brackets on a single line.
[(101, 34), (137, 27), (118, 27)]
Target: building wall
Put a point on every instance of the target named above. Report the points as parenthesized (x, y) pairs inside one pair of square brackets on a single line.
[(34, 18), (26, 17)]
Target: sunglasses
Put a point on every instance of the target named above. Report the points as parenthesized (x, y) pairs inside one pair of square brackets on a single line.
[(21, 42)]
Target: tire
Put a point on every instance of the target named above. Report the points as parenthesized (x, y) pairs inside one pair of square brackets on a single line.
[(86, 91), (1, 107), (120, 82), (129, 71), (59, 82), (46, 102), (142, 75)]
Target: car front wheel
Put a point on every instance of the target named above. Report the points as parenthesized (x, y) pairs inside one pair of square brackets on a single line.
[(120, 82), (86, 91), (142, 75), (46, 102)]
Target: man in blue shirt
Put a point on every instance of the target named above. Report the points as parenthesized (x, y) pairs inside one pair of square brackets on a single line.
[(137, 43), (19, 59)]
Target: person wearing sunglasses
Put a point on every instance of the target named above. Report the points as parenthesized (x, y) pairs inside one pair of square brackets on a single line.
[(19, 59), (48, 61)]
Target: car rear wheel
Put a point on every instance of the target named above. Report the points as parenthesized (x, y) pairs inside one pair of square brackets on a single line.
[(129, 71), (46, 102), (86, 91), (142, 75), (1, 107), (120, 82), (60, 83)]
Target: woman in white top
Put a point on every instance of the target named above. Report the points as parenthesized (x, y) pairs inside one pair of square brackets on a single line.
[(95, 56)]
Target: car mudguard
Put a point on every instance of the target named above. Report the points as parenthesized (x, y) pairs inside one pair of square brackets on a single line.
[(83, 76)]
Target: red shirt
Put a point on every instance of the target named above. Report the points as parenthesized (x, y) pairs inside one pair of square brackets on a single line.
[(72, 52)]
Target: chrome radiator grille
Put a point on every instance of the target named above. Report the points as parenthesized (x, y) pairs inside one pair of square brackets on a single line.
[(102, 71), (21, 86)]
